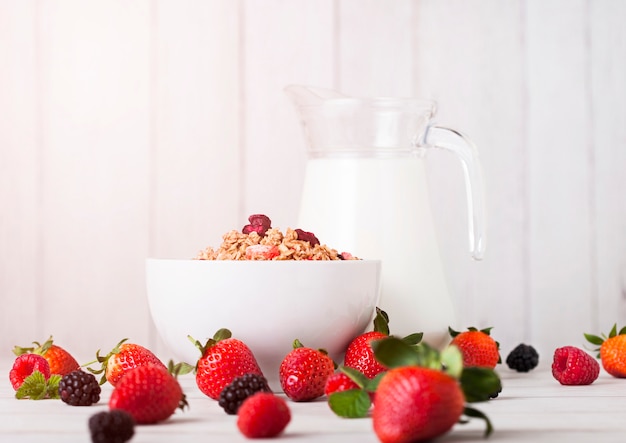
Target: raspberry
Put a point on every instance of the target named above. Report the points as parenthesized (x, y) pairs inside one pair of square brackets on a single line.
[(573, 366), (25, 365), (115, 426), (79, 388), (260, 219), (263, 415), (259, 223), (307, 236), (233, 395), (523, 358)]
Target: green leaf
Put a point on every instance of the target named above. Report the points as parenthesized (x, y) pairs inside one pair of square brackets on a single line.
[(594, 339), (622, 331), (413, 339), (353, 403), (33, 387), (222, 334), (452, 332), (452, 361), (52, 390), (487, 330), (393, 352), (355, 375), (479, 383), (381, 322), (372, 385), (475, 413), (181, 368), (613, 332)]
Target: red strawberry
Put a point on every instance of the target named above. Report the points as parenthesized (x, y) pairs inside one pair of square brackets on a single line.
[(61, 362), (122, 358), (339, 382), (477, 346), (263, 415), (149, 393), (573, 366), (262, 252), (611, 351), (359, 354), (25, 365), (415, 403), (417, 400), (350, 393), (304, 371), (223, 358)]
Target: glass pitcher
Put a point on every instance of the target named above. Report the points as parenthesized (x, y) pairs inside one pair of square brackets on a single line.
[(365, 192)]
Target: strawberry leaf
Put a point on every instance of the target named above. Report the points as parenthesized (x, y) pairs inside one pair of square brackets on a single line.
[(479, 383), (622, 331), (372, 385), (413, 339), (393, 352), (222, 334), (452, 361), (381, 322), (355, 375), (613, 332), (353, 403), (594, 339), (475, 413), (452, 332), (181, 368)]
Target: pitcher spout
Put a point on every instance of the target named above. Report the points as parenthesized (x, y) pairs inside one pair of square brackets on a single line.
[(303, 95)]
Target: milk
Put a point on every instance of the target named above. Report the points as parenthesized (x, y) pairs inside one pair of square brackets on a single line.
[(378, 208)]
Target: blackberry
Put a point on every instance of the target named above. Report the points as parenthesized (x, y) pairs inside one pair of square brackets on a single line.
[(79, 388), (523, 358), (115, 426), (233, 395)]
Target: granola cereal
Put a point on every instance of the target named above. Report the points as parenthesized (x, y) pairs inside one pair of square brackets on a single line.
[(279, 246)]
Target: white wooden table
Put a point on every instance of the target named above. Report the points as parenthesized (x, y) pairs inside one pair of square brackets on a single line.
[(532, 407)]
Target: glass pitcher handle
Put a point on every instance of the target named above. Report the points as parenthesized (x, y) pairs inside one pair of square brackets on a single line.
[(452, 140)]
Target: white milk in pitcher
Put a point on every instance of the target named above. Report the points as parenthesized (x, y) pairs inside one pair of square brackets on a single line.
[(378, 208)]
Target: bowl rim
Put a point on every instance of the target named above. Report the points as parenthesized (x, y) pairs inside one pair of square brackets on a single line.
[(192, 260)]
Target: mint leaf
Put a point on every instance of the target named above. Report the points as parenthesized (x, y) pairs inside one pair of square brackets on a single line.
[(353, 403), (52, 389), (33, 387)]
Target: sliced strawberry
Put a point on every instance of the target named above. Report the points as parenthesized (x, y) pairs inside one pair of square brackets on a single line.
[(262, 252)]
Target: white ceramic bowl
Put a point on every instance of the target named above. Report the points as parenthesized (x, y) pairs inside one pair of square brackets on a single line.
[(266, 304)]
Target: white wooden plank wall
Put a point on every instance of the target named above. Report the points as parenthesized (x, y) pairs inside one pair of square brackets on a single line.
[(150, 128)]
